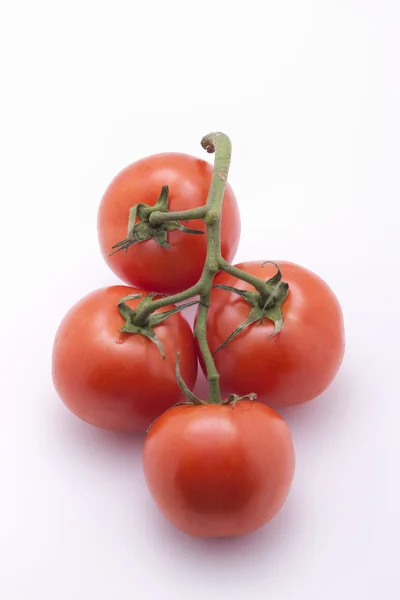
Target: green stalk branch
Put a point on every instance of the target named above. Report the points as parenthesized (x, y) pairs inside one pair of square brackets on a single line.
[(158, 217), (259, 284), (142, 314)]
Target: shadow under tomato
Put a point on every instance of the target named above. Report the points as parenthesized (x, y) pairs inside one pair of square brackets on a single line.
[(241, 552), (75, 433), (201, 387), (326, 412), (306, 419)]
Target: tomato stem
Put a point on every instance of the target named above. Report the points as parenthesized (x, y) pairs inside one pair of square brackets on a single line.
[(211, 215), (221, 145)]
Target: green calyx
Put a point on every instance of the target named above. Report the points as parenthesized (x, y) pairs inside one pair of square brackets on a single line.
[(134, 325), (266, 306), (142, 228)]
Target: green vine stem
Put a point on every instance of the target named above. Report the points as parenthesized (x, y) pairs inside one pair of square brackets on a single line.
[(157, 218), (211, 214)]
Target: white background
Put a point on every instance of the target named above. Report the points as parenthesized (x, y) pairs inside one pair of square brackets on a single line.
[(309, 93)]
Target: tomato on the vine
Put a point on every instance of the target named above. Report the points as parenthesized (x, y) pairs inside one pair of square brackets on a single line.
[(293, 366), (117, 380), (216, 470), (149, 265)]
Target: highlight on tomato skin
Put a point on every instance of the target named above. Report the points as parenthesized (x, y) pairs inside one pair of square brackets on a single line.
[(113, 380), (298, 363), (147, 265), (217, 471)]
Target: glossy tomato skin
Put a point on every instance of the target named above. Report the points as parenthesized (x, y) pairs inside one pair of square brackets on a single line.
[(298, 363), (118, 381), (218, 471), (148, 265)]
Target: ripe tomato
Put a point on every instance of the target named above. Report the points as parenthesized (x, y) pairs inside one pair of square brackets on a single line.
[(146, 264), (297, 364), (215, 471), (117, 380)]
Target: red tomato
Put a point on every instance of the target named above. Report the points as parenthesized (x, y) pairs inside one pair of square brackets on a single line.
[(117, 380), (215, 470), (148, 265), (295, 365)]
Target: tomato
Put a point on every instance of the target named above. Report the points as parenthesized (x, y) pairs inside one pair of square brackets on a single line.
[(115, 380), (298, 363), (148, 265), (215, 471)]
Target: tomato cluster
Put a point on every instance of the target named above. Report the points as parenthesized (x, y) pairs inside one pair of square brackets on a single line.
[(214, 469)]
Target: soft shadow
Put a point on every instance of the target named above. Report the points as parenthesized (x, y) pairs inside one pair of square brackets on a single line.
[(325, 412), (242, 552), (201, 387), (190, 313), (73, 433)]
